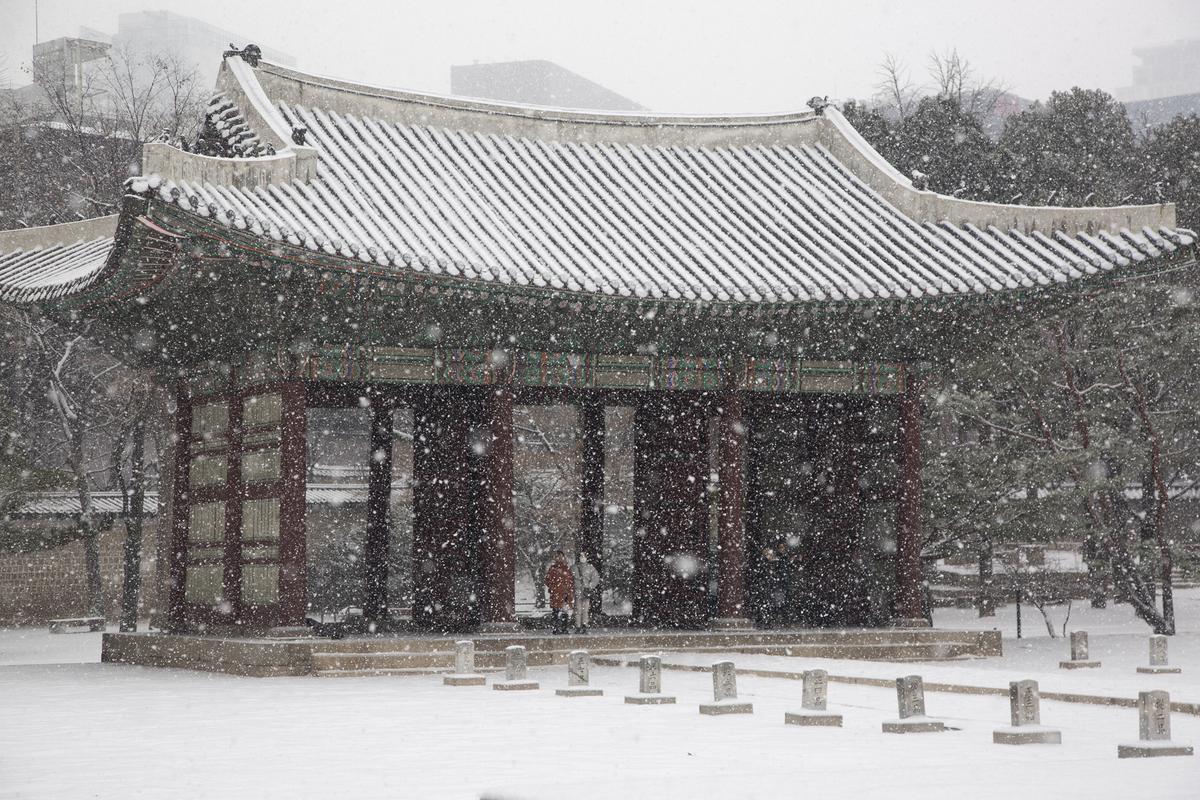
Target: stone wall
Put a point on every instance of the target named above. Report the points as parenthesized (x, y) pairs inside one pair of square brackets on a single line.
[(48, 584)]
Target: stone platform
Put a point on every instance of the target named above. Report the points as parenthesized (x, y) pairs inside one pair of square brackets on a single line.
[(426, 654)]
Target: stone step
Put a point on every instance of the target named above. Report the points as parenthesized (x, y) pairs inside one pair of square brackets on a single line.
[(647, 641), (370, 673), (374, 662)]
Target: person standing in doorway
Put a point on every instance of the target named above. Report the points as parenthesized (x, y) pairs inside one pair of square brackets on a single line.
[(561, 585), (586, 579)]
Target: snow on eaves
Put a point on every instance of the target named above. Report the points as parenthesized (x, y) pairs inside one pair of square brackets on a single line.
[(48, 273), (757, 223)]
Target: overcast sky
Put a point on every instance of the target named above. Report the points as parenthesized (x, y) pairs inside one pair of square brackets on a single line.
[(697, 55)]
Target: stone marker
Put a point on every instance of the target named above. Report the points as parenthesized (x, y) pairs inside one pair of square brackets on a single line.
[(1079, 653), (578, 663), (1024, 703), (516, 676), (464, 667), (649, 684), (1158, 658), (910, 696), (725, 697), (812, 703), (1154, 729)]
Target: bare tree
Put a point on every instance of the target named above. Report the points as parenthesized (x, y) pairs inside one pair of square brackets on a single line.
[(955, 79), (88, 414), (89, 128), (895, 90)]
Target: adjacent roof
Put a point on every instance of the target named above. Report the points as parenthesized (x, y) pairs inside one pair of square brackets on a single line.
[(39, 264), (781, 209), (66, 503)]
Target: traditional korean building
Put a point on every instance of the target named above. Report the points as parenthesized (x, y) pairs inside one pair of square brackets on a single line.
[(761, 289)]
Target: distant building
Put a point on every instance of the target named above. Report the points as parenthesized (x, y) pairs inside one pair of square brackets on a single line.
[(62, 61), (539, 83), (1166, 70), (1165, 84), (196, 43)]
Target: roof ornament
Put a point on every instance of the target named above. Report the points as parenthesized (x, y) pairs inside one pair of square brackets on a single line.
[(251, 53), (819, 104), (298, 134), (920, 180)]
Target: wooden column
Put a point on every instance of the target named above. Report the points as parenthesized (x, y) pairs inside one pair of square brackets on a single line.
[(177, 547), (731, 542), (670, 544), (591, 488), (379, 515), (591, 491), (499, 534), (910, 601), (293, 458), (448, 508)]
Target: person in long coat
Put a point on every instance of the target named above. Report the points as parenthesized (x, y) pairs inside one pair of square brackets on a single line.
[(586, 579), (561, 585)]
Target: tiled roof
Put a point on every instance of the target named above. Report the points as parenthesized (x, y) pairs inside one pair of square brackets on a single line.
[(64, 504), (782, 209), (758, 223), (48, 272)]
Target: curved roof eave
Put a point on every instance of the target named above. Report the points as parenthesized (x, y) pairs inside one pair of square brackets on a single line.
[(54, 261)]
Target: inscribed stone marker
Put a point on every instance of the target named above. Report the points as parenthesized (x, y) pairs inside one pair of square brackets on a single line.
[(815, 691), (516, 666), (464, 666), (1154, 729), (1024, 706), (910, 697), (516, 670), (1158, 650), (1158, 657), (650, 675), (814, 696), (1079, 653), (725, 692), (1024, 703), (1154, 716), (464, 657), (578, 668), (649, 683), (1079, 646)]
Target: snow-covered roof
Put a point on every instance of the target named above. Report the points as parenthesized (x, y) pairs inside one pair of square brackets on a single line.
[(46, 263), (66, 503), (783, 208)]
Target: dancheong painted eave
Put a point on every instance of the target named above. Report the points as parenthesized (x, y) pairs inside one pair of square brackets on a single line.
[(787, 209)]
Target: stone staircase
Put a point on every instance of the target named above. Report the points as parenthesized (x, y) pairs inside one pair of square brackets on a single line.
[(424, 655)]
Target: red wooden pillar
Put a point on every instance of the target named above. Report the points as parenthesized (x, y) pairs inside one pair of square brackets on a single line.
[(910, 601), (293, 457), (379, 497), (177, 549), (731, 542), (499, 534)]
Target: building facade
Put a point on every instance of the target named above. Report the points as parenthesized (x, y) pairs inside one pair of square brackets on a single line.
[(762, 291)]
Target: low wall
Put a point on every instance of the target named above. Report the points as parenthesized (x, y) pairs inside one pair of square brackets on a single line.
[(46, 584)]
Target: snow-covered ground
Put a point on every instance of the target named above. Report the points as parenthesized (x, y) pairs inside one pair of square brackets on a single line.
[(75, 728), (122, 732)]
